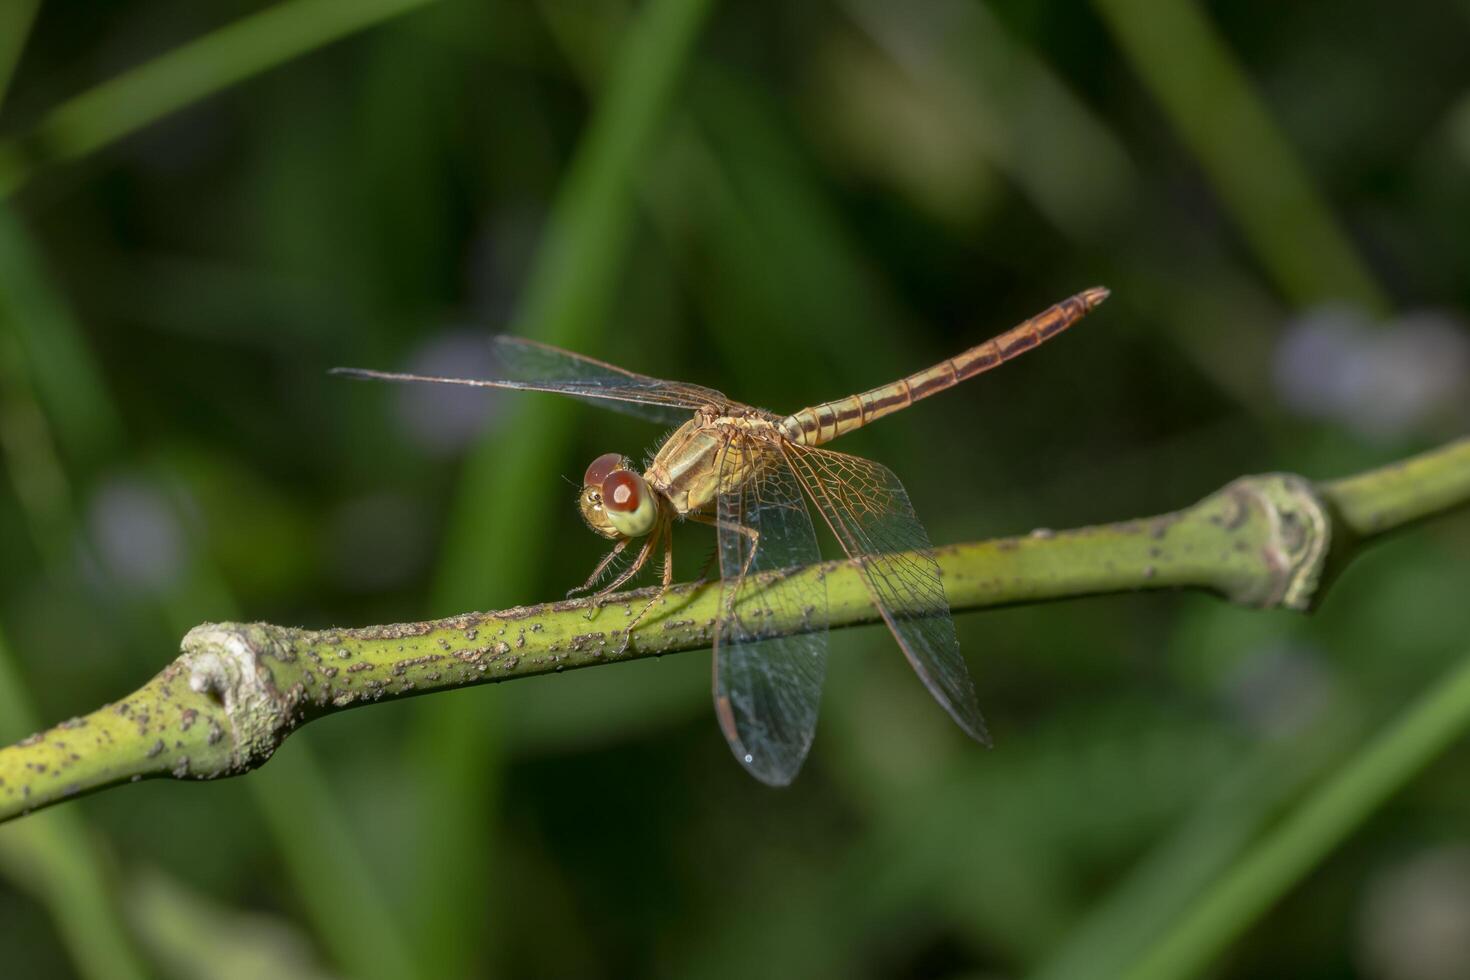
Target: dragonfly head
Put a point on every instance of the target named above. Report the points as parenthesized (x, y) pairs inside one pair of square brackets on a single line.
[(615, 501)]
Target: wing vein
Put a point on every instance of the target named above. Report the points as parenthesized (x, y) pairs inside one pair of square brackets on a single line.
[(869, 512)]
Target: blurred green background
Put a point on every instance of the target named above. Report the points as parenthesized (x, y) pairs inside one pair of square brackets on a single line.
[(205, 206)]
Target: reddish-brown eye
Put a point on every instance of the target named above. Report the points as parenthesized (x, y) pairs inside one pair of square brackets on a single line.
[(622, 491), (601, 467)]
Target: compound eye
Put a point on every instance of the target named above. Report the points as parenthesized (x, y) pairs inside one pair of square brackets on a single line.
[(631, 508), (602, 467), (622, 491)]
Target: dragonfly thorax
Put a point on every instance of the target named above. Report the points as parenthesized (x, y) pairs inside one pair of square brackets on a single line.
[(615, 501)]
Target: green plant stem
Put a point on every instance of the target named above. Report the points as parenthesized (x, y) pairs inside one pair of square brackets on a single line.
[(185, 75), (235, 693), (1264, 874), (1402, 493)]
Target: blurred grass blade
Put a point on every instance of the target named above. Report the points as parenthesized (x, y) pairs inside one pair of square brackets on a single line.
[(33, 462), (66, 381), (184, 76), (330, 874), (198, 938), (592, 220), (1226, 817), (1022, 118), (1321, 822), (1187, 66), (54, 854), (1014, 108), (568, 295), (16, 18), (803, 271)]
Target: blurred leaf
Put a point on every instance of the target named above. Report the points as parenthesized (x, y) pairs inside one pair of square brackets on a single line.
[(1364, 618), (54, 854), (320, 854), (200, 940), (183, 76), (16, 18), (988, 840), (1253, 883), (1013, 108), (68, 383), (567, 297), (331, 873), (33, 461), (1188, 67), (1019, 111), (1201, 848), (257, 534)]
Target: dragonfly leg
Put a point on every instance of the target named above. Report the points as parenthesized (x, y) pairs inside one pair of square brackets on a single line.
[(708, 566), (600, 570), (755, 541), (646, 552), (664, 586)]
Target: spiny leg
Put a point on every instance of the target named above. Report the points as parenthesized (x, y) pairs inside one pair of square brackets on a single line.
[(749, 532), (644, 554), (601, 569), (668, 581), (709, 563)]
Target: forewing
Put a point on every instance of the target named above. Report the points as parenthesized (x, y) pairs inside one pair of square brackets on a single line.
[(767, 688), (527, 365), (870, 514)]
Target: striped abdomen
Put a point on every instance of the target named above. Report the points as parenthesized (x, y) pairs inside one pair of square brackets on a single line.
[(825, 422)]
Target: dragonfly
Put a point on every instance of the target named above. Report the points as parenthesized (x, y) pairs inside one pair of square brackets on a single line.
[(750, 474)]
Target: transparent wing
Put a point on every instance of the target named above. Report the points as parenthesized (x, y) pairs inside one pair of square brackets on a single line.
[(528, 365), (870, 513), (767, 688), (575, 374)]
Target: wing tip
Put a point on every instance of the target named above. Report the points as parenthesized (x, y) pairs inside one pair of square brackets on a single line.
[(972, 724), (776, 773), (964, 710), (776, 779), (772, 772)]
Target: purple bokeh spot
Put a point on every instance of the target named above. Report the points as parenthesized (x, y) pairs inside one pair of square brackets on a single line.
[(135, 534), (446, 420), (1279, 691), (1382, 382)]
